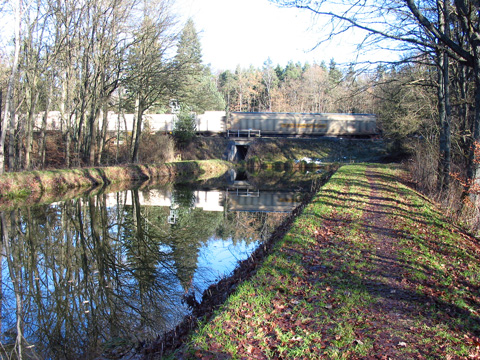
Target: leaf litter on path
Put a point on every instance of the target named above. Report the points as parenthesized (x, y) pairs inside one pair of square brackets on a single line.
[(369, 270)]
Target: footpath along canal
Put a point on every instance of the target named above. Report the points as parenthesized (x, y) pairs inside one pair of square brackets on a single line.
[(370, 269)]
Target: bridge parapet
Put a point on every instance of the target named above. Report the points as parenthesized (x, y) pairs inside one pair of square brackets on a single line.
[(243, 133)]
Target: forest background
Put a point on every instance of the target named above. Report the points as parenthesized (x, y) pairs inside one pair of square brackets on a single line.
[(90, 57)]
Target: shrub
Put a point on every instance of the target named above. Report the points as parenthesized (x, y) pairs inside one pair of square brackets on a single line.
[(156, 148), (423, 166), (184, 128)]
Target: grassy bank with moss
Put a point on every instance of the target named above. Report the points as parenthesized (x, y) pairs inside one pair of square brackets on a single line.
[(269, 151), (24, 184), (328, 150), (370, 268)]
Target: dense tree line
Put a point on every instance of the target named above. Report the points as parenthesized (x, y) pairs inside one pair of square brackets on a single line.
[(84, 59), (296, 88)]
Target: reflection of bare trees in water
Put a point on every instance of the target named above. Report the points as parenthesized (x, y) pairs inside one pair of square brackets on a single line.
[(14, 335), (73, 282), (249, 226), (78, 273)]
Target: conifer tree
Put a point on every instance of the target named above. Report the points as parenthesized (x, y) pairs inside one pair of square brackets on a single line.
[(189, 58), (196, 86)]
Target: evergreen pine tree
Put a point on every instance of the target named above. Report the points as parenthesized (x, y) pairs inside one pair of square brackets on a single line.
[(197, 89)]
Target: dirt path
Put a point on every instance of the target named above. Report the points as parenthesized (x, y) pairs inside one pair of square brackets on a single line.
[(401, 315), (395, 302), (369, 270)]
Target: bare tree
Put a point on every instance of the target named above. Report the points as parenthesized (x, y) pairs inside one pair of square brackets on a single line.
[(316, 88), (151, 69), (9, 105), (419, 26), (269, 78)]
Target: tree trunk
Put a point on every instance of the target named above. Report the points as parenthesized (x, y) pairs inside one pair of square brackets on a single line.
[(464, 104), (472, 188), (79, 138), (10, 88), (67, 128), (138, 130), (134, 128), (119, 114), (43, 129), (92, 134), (29, 129), (12, 140), (103, 135), (444, 113), (19, 139), (444, 109)]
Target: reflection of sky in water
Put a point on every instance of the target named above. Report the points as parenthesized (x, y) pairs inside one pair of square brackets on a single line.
[(217, 259), (86, 275)]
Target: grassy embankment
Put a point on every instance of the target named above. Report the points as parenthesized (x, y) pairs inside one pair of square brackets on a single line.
[(328, 150), (36, 183), (370, 268), (269, 151)]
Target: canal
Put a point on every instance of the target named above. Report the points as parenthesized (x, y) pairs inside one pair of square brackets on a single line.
[(91, 272)]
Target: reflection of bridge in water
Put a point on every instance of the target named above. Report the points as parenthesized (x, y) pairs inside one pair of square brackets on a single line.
[(240, 199), (235, 198)]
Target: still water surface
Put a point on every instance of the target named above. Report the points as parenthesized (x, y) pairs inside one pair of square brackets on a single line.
[(80, 274)]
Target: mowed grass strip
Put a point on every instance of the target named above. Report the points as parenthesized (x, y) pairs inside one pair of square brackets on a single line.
[(313, 297)]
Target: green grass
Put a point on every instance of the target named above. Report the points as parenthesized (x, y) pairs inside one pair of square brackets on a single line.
[(326, 149), (312, 297), (23, 184)]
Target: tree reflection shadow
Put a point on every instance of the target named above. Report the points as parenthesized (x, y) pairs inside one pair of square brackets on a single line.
[(102, 273)]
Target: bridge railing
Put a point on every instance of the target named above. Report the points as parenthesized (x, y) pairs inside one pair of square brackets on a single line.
[(243, 133), (243, 192)]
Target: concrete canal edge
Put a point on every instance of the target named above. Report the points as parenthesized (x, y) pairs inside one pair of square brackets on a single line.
[(24, 184), (218, 293)]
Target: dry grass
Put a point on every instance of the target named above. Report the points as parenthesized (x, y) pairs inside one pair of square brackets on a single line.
[(204, 148)]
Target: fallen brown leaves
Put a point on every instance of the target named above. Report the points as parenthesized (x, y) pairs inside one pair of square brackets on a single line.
[(376, 274)]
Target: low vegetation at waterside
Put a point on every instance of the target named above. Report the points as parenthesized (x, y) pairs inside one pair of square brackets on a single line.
[(268, 151), (326, 150), (370, 269), (204, 148), (24, 184)]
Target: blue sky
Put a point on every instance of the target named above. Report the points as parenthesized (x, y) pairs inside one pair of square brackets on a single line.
[(247, 32)]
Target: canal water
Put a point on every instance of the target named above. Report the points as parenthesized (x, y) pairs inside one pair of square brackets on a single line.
[(88, 273)]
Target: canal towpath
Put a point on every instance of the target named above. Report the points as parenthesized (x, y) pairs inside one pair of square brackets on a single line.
[(371, 269)]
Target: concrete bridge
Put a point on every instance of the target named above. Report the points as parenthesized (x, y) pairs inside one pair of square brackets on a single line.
[(237, 149)]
